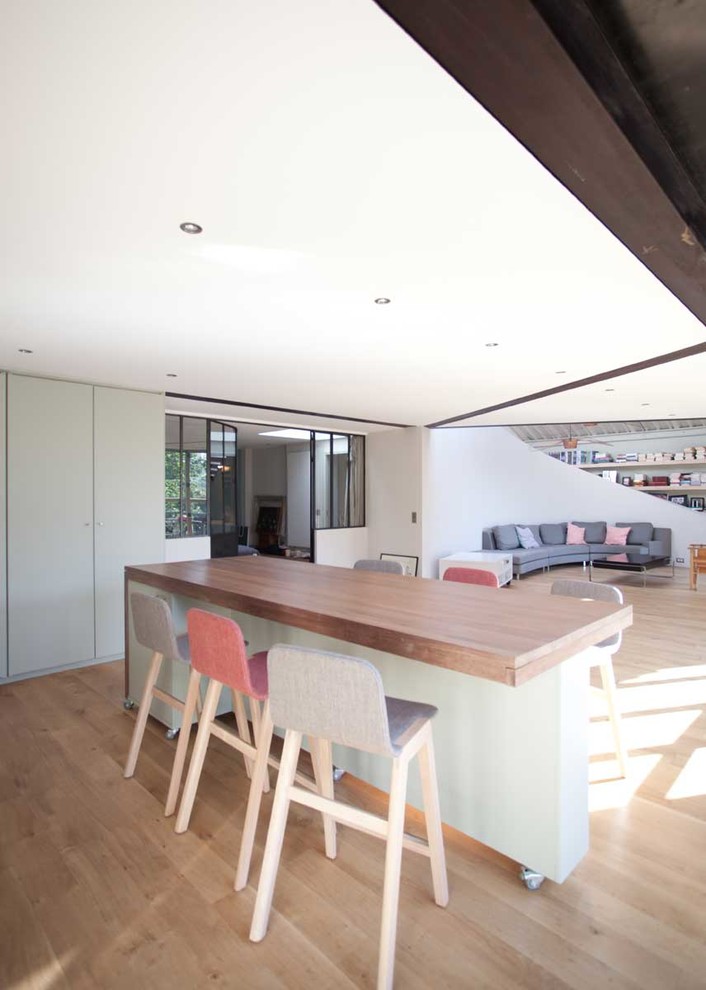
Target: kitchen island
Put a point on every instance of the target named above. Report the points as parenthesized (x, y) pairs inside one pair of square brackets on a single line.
[(508, 673)]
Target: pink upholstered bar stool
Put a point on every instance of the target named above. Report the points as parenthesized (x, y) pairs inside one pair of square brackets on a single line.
[(472, 575), (218, 652)]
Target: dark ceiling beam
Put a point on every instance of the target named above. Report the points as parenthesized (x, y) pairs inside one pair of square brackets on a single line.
[(577, 25), (506, 56), (603, 376)]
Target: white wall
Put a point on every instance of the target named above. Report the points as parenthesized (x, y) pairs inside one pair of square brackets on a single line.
[(190, 548), (394, 465), (482, 477), (341, 547)]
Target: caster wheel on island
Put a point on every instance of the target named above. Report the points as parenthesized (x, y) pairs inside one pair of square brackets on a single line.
[(128, 704), (171, 733), (530, 878)]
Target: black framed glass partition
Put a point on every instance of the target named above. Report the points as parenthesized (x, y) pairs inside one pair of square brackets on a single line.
[(200, 485), (338, 480)]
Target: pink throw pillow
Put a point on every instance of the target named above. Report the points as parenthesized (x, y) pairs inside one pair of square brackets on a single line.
[(575, 535), (617, 535)]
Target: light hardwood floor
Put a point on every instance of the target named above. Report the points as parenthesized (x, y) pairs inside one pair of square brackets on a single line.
[(97, 891)]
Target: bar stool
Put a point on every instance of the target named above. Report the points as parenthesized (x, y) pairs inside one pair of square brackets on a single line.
[(472, 575), (606, 648), (218, 652), (333, 698), (383, 566), (154, 629)]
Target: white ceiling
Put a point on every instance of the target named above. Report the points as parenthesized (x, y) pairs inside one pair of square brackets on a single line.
[(330, 161)]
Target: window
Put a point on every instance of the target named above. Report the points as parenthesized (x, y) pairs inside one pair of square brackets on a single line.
[(200, 459), (338, 480)]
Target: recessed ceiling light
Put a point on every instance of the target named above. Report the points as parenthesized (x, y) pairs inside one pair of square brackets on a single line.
[(559, 372), (382, 300), (644, 403), (190, 228), (25, 350), (610, 390), (491, 345), (170, 374)]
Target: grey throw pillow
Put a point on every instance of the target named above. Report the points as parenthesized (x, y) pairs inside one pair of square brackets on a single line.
[(553, 533), (526, 538), (506, 537), (594, 531)]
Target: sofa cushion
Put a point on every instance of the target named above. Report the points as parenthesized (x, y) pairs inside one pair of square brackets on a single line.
[(640, 532), (579, 550), (595, 531), (525, 556), (617, 535), (553, 533), (526, 538), (575, 535), (506, 537)]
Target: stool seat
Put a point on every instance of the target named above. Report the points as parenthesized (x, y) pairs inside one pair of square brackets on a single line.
[(258, 675), (406, 718)]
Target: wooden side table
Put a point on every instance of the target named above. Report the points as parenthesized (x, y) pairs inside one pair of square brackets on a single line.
[(697, 562)]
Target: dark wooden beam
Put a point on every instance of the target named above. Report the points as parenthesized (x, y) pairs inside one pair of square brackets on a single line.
[(506, 56)]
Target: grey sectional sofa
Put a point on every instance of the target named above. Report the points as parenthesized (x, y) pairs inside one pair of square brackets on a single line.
[(643, 538)]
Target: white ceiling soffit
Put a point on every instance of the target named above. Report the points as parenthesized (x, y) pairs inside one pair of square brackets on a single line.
[(330, 161), (669, 391)]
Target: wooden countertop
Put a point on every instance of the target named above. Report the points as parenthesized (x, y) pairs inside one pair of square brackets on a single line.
[(489, 633)]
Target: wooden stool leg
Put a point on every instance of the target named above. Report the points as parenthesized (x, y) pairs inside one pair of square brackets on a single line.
[(213, 693), (432, 817), (241, 720), (263, 741), (144, 710), (323, 773), (255, 712), (611, 694), (192, 695), (393, 864), (275, 835)]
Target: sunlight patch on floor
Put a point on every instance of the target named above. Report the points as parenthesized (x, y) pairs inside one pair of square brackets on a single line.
[(658, 697), (691, 782), (642, 731), (668, 674), (607, 790)]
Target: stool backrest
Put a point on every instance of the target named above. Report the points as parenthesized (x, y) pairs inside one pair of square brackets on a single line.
[(218, 649), (329, 696), (384, 566), (153, 625), (596, 592), (472, 575)]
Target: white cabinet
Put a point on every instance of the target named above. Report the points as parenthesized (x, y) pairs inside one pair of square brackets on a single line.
[(3, 530), (50, 524), (497, 561), (129, 501), (84, 497)]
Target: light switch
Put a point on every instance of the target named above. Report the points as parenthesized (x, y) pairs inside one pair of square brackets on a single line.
[(414, 517)]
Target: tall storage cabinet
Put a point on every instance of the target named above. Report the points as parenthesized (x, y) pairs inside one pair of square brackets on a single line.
[(50, 523), (84, 498), (3, 530), (129, 500)]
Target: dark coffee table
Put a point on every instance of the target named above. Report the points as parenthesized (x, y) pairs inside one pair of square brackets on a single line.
[(636, 563)]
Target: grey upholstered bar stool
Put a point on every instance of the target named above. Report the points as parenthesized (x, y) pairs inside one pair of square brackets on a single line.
[(604, 661), (333, 698), (154, 629), (384, 566)]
